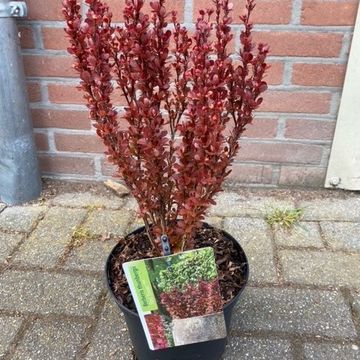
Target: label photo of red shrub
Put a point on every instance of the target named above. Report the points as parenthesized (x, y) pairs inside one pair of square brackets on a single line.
[(178, 298)]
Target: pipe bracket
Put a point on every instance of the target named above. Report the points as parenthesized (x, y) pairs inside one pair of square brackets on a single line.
[(16, 9)]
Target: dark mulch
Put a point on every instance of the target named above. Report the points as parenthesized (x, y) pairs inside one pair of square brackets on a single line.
[(231, 265)]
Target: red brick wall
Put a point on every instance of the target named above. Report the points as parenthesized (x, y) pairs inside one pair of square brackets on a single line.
[(288, 144)]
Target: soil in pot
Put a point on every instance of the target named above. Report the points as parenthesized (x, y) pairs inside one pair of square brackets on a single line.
[(231, 269)]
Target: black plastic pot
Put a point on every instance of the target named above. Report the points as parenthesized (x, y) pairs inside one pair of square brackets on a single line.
[(209, 350)]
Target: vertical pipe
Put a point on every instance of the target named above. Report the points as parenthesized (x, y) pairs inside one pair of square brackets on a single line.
[(19, 171)]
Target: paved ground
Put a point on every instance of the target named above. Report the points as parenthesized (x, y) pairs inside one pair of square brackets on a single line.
[(303, 300)]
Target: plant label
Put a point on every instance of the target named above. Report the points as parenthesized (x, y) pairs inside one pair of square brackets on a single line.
[(178, 298)]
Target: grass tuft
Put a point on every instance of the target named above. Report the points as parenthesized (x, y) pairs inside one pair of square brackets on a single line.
[(284, 218)]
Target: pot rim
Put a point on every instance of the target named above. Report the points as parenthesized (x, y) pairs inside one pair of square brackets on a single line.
[(226, 234)]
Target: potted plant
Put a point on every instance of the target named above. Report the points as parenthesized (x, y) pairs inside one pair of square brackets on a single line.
[(187, 103)]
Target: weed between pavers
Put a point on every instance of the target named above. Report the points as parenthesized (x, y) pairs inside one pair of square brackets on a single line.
[(284, 218), (93, 207), (80, 235)]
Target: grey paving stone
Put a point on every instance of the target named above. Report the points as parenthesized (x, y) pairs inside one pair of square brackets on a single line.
[(331, 352), (332, 209), (135, 223), (233, 204), (9, 327), (7, 244), (88, 199), (48, 241), (215, 221), (57, 339), (108, 221), (111, 339), (320, 268), (310, 312), (356, 306), (91, 255), (254, 237), (305, 234), (257, 349), (46, 293), (20, 218), (342, 235), (131, 205)]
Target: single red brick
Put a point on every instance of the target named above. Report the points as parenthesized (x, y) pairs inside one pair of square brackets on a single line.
[(38, 10), (57, 164), (329, 12), (288, 43), (280, 153), (266, 12), (318, 74), (79, 143), (41, 141), (250, 174), (261, 128), (54, 38), (302, 176), (309, 129), (274, 75), (34, 92), (290, 101), (49, 66), (69, 94), (64, 119), (26, 37), (65, 94)]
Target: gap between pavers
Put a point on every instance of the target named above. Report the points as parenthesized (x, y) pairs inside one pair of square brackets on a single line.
[(88, 200), (231, 204), (9, 327), (50, 339), (321, 268), (49, 293), (332, 209), (251, 348), (356, 306), (304, 234), (110, 339), (102, 222), (332, 351), (90, 256), (49, 240), (20, 218), (255, 238), (2, 206), (8, 242), (296, 311), (342, 235)]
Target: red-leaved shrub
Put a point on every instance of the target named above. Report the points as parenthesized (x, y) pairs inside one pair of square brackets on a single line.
[(155, 325), (183, 93), (198, 299)]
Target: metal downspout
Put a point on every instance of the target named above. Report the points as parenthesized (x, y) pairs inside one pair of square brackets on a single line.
[(19, 171)]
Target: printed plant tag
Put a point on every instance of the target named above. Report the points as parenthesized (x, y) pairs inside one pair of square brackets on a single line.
[(178, 298)]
